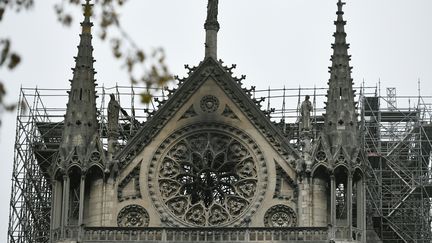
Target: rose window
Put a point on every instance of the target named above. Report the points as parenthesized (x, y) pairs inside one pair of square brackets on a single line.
[(207, 178)]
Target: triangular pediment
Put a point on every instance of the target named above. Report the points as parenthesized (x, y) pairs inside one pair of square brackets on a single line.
[(321, 151), (195, 96)]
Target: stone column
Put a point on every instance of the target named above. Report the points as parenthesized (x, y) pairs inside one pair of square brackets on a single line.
[(94, 200), (56, 204), (349, 205), (211, 43), (308, 202), (319, 202), (304, 203), (359, 188), (212, 27), (333, 200), (53, 207), (108, 203), (102, 204), (81, 199), (53, 203), (81, 208), (65, 207), (363, 206)]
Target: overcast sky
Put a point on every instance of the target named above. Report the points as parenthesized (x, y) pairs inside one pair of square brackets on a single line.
[(273, 42)]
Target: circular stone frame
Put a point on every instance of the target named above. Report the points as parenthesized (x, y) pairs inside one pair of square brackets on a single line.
[(280, 215), (133, 216), (172, 214), (209, 103)]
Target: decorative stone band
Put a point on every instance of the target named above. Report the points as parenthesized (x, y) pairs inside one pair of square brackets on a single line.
[(220, 234), (214, 25)]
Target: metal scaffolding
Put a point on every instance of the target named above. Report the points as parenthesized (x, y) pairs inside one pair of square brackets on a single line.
[(396, 134), (398, 141), (39, 129)]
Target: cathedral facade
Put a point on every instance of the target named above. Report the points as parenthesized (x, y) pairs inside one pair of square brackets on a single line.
[(209, 165)]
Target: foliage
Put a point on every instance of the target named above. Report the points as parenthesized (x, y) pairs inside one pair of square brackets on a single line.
[(147, 67)]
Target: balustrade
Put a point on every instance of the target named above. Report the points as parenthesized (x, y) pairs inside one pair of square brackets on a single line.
[(149, 235)]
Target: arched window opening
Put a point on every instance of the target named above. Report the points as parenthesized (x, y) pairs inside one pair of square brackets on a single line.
[(74, 197), (341, 206), (341, 201)]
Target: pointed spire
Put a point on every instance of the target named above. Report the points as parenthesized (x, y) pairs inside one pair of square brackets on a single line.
[(212, 27), (80, 132), (340, 117)]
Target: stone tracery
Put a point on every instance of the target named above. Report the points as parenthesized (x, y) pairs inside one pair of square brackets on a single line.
[(208, 177)]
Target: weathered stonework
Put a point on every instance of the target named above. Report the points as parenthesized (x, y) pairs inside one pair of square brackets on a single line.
[(208, 174), (129, 187), (133, 216), (209, 103), (209, 165), (229, 113), (189, 113), (280, 216)]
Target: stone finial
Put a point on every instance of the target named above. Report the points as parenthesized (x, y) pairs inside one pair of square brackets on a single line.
[(212, 27), (212, 11), (87, 24), (340, 6)]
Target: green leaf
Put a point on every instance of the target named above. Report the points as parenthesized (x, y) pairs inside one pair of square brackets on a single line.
[(14, 60), (2, 10), (146, 97)]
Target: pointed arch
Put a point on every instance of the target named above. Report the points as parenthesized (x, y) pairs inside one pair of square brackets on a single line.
[(318, 167)]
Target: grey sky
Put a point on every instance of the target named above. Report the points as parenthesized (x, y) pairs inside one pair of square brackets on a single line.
[(273, 42)]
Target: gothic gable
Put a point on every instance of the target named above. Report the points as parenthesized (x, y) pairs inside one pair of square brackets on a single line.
[(209, 156), (232, 88)]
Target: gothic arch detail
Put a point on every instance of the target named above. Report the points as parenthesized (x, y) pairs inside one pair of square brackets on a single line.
[(207, 175)]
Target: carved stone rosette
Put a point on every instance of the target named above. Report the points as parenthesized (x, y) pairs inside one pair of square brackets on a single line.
[(207, 175), (321, 156), (280, 216), (209, 103), (133, 216)]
